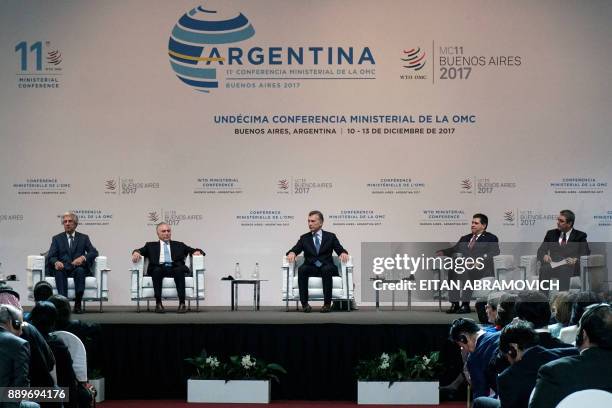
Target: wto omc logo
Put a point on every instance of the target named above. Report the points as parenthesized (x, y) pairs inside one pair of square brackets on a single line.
[(153, 216), (110, 185), (509, 218), (466, 185), (196, 29), (414, 59), (283, 184)]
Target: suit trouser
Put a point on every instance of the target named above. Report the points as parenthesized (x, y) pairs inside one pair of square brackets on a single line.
[(563, 273), (325, 272), (78, 274), (159, 272)]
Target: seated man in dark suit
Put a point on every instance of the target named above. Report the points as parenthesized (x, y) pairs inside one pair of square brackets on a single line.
[(478, 244), (71, 255), (588, 370), (166, 259), (318, 246), (518, 343), (563, 243), (481, 346)]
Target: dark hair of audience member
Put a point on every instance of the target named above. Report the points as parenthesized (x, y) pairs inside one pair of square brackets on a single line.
[(520, 332), (462, 326), (481, 312), (582, 300), (43, 317), (533, 307), (62, 304), (562, 307), (597, 323), (493, 299), (505, 309), (42, 291)]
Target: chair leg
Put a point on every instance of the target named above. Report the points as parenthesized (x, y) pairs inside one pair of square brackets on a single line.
[(148, 308), (189, 304)]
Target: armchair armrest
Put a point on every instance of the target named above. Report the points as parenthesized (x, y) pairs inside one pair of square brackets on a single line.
[(588, 264), (35, 270), (137, 270), (287, 273), (528, 263), (502, 263), (346, 272), (197, 265)]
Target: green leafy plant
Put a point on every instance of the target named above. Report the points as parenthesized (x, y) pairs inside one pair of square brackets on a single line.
[(398, 366), (94, 373), (245, 367), (207, 367)]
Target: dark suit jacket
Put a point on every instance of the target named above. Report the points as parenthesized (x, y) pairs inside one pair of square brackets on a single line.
[(178, 252), (562, 377), (14, 362), (499, 363), (478, 361), (59, 251), (329, 244), (576, 247), (487, 246), (515, 383), (548, 341), (42, 359)]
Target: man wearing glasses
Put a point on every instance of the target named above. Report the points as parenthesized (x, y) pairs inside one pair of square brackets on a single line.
[(71, 255), (561, 250), (166, 259)]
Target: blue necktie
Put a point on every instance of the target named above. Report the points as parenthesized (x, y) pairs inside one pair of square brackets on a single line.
[(167, 259), (317, 243), (70, 241)]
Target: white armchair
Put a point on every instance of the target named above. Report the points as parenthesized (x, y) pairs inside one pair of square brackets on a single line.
[(96, 286), (589, 266), (342, 286), (142, 285)]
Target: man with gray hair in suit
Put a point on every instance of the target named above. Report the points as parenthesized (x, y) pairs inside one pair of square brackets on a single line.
[(71, 255)]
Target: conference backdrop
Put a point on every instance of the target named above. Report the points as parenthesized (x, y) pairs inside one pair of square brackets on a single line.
[(231, 120)]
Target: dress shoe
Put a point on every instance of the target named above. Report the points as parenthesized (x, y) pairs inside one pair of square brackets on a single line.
[(326, 309), (464, 309), (182, 308), (78, 309), (159, 308), (453, 309), (307, 308)]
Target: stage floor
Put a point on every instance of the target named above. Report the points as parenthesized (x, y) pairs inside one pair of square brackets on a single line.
[(271, 315)]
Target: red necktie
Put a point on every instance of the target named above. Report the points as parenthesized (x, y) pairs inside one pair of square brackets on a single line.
[(563, 239), (472, 242)]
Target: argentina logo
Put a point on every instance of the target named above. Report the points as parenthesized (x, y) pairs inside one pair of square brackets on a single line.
[(192, 46)]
